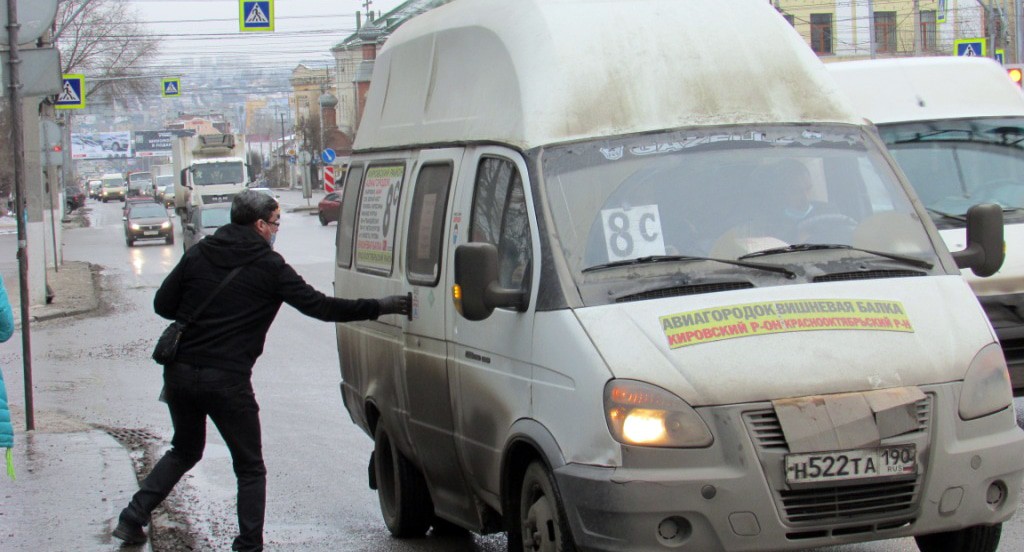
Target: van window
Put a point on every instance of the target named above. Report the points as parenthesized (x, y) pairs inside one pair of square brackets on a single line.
[(426, 224), (378, 216), (348, 216), (500, 217)]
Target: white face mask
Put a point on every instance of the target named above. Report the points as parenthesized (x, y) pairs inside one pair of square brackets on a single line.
[(273, 238)]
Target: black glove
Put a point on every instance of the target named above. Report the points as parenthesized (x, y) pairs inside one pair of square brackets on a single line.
[(394, 304)]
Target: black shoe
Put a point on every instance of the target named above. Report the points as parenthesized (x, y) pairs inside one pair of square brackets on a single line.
[(129, 532)]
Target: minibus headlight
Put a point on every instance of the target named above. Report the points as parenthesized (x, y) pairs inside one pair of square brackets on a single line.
[(645, 415), (135, 226), (165, 225), (986, 388)]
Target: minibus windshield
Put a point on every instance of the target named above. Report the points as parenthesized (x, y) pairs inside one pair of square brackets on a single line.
[(954, 164), (794, 194)]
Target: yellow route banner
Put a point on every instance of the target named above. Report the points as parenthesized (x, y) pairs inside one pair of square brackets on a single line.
[(770, 317)]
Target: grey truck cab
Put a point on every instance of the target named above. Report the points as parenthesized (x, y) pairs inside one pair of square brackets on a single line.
[(652, 309)]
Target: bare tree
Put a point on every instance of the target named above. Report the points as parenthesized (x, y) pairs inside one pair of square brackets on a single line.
[(104, 40)]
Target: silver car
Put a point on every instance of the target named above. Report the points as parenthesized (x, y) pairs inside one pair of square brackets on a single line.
[(203, 220)]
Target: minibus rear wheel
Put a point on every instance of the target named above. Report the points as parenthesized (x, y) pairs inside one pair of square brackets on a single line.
[(404, 498), (542, 521), (979, 538)]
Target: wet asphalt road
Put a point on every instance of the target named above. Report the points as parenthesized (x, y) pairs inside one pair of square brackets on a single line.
[(97, 368)]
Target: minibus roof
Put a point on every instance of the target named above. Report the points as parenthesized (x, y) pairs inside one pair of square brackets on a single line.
[(928, 89), (534, 72)]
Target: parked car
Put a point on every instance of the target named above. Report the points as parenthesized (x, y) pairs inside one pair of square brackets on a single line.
[(95, 185), (74, 196), (203, 220), (329, 208), (113, 187), (146, 220)]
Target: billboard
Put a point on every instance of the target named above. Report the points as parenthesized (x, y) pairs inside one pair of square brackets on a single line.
[(101, 145), (157, 143)]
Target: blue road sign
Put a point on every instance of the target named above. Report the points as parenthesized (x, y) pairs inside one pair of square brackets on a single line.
[(328, 156), (256, 15), (72, 93), (970, 47), (170, 88)]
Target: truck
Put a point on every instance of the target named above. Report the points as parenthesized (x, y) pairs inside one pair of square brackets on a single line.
[(209, 168)]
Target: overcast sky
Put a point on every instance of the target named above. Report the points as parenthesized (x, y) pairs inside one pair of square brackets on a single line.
[(304, 29)]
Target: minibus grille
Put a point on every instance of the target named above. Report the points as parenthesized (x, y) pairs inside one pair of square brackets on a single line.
[(765, 429), (696, 289), (812, 507), (828, 504), (868, 275)]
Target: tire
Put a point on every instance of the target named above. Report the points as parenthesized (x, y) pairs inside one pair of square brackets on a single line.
[(169, 240), (541, 524), (977, 538), (130, 242), (104, 200), (323, 221), (404, 499)]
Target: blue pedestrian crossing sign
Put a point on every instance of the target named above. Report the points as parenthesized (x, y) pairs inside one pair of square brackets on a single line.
[(170, 88), (72, 93), (1001, 56), (328, 156), (969, 47), (256, 15)]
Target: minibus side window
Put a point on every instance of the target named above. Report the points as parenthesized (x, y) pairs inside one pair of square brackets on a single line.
[(346, 225), (500, 217), (426, 224)]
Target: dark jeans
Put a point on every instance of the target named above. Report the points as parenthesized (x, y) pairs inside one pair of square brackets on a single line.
[(193, 393)]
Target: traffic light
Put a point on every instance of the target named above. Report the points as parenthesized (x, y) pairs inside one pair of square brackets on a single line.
[(1016, 73)]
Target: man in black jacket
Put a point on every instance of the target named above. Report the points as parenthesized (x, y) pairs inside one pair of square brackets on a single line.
[(211, 374)]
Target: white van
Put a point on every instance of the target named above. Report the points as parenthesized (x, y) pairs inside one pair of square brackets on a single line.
[(956, 127), (652, 308)]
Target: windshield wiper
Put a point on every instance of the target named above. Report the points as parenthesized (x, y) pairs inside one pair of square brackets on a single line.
[(971, 137), (912, 261), (950, 216), (685, 258)]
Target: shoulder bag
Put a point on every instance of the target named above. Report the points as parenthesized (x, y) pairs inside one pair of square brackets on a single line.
[(167, 346)]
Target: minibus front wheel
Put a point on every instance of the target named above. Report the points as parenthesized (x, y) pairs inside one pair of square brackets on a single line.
[(979, 538), (542, 522), (404, 498)]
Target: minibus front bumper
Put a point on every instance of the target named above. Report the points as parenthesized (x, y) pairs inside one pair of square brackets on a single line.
[(733, 495)]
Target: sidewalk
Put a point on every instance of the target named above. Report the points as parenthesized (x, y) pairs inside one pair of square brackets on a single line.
[(71, 479)]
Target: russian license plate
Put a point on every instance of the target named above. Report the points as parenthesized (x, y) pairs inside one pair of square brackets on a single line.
[(150, 233), (848, 465)]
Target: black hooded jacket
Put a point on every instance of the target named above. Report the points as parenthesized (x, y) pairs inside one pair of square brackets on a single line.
[(229, 334)]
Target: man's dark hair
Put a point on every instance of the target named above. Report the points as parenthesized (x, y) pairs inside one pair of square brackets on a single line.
[(250, 206)]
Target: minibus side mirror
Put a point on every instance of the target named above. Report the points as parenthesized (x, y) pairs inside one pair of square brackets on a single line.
[(985, 247), (476, 275)]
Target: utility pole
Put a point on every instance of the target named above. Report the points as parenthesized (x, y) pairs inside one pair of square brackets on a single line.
[(283, 145), (872, 47), (917, 28), (18, 145)]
